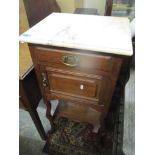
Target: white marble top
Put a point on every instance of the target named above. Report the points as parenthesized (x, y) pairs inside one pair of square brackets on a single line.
[(88, 32)]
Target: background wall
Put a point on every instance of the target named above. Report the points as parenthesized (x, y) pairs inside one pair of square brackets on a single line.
[(69, 6), (98, 4), (66, 5), (79, 3), (23, 22)]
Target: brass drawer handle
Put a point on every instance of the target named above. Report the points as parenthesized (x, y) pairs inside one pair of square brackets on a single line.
[(70, 60)]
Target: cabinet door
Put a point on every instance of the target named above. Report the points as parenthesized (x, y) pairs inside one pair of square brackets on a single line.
[(71, 84)]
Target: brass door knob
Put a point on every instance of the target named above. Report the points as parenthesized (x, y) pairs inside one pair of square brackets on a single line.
[(44, 80)]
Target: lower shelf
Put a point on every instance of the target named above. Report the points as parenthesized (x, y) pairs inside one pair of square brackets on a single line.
[(78, 112)]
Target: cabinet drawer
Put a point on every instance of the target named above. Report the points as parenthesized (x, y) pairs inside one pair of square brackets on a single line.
[(72, 84), (73, 60)]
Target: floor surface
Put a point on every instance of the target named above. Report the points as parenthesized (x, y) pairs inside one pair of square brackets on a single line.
[(129, 116), (30, 142)]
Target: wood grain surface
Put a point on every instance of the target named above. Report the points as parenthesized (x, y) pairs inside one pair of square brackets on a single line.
[(25, 61), (23, 22)]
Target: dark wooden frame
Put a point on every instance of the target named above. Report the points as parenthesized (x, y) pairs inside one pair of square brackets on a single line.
[(29, 99), (37, 10), (108, 7)]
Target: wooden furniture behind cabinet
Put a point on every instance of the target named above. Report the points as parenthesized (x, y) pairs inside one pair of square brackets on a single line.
[(37, 10), (81, 75), (29, 92)]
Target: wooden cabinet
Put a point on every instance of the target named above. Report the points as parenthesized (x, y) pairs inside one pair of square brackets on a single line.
[(77, 59), (78, 79)]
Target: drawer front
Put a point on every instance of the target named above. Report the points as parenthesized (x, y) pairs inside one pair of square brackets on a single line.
[(76, 61), (72, 84)]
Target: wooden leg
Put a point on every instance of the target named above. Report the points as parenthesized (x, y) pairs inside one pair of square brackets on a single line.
[(46, 101), (48, 115), (102, 127), (32, 111), (35, 117)]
